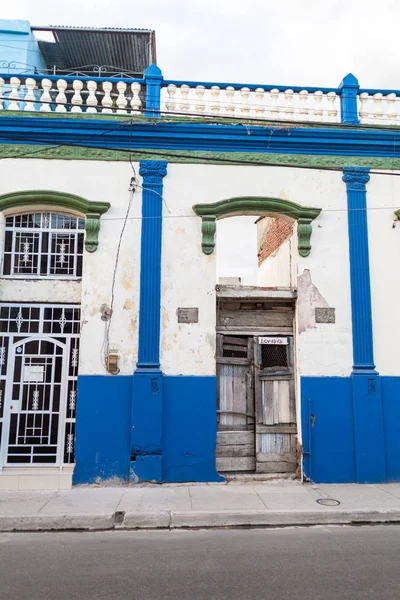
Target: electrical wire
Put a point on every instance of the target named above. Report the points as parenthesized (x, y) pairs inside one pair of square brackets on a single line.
[(107, 332)]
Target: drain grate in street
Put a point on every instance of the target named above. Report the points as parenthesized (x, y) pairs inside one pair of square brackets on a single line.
[(328, 501)]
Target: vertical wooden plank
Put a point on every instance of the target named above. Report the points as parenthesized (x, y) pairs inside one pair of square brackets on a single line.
[(276, 401), (258, 391), (292, 401), (268, 402), (284, 409)]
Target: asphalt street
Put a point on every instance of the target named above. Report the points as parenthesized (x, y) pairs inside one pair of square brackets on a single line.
[(323, 563)]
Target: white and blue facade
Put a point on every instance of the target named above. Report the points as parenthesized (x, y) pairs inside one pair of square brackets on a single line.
[(156, 419)]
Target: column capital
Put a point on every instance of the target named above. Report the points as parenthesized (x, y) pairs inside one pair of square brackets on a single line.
[(356, 178), (153, 170)]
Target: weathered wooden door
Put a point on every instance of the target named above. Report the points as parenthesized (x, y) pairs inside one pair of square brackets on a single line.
[(235, 403), (275, 404)]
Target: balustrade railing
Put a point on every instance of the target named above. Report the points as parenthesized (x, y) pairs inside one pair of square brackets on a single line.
[(251, 101), (155, 97), (379, 107), (71, 94)]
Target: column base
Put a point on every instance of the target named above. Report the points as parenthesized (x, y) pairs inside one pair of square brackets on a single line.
[(146, 432)]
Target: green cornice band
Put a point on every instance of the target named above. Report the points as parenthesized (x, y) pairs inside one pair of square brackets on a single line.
[(196, 156), (31, 199), (255, 205)]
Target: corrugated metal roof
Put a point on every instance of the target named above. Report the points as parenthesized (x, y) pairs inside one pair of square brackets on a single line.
[(128, 51)]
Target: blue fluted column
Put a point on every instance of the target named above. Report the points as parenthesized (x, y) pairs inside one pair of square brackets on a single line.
[(356, 179), (147, 397), (366, 384), (153, 172)]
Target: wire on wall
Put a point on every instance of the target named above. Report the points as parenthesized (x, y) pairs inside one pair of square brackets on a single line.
[(106, 344)]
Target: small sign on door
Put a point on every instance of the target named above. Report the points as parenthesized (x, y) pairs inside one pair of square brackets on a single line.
[(273, 341), (34, 373)]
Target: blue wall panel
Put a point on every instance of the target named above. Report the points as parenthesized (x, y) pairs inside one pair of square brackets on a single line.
[(391, 425), (103, 418), (328, 438), (189, 429)]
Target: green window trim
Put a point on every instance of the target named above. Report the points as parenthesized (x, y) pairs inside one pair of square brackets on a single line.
[(257, 206), (33, 199)]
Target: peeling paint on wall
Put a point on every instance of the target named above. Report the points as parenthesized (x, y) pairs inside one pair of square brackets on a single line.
[(309, 298)]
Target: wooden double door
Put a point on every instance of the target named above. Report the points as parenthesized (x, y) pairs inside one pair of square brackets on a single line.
[(256, 408)]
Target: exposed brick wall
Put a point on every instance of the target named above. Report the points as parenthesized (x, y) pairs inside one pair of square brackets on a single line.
[(276, 233)]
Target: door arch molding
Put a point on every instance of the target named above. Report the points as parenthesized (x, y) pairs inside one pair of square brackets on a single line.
[(257, 206)]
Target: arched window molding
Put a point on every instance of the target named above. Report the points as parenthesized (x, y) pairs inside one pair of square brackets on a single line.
[(257, 206), (33, 199)]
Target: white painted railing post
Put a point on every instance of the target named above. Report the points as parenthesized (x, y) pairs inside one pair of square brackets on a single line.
[(30, 95), (14, 94), (91, 100)]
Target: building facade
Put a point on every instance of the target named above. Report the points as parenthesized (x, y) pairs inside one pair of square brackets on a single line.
[(121, 356)]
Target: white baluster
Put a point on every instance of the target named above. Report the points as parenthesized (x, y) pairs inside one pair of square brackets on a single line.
[(303, 110), (391, 107), (260, 102), (121, 100), (289, 110), (61, 98), (244, 107), (45, 98), (274, 110), (77, 99), (364, 97), (30, 95), (229, 94), (136, 103), (200, 105), (2, 82), (14, 94), (107, 100), (215, 104), (332, 110), (318, 112), (184, 105), (378, 110), (170, 104), (91, 100)]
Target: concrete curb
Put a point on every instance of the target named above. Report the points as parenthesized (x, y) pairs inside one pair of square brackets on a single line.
[(199, 519)]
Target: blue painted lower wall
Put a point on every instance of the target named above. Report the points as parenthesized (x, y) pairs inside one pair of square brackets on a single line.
[(189, 429), (350, 428), (103, 418), (103, 429)]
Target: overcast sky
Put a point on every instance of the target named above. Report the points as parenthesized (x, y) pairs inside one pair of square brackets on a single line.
[(288, 42)]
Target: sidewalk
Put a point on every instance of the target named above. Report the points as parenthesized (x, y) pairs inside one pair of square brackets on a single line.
[(258, 504)]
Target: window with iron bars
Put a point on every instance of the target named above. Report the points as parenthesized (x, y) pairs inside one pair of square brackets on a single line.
[(40, 245), (274, 357)]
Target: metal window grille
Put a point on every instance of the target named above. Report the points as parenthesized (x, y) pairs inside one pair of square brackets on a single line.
[(274, 356), (39, 355), (40, 245)]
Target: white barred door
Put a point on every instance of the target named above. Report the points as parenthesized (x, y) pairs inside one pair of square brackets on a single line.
[(39, 365)]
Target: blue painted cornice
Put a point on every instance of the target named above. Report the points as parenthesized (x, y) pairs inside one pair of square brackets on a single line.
[(125, 134)]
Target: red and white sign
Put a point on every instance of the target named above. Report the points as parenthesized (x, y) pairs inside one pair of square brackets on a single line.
[(273, 341)]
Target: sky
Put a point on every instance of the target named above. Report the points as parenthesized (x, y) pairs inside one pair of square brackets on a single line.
[(291, 42)]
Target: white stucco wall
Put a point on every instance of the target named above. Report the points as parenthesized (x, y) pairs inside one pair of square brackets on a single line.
[(276, 270), (100, 181), (188, 275), (383, 198)]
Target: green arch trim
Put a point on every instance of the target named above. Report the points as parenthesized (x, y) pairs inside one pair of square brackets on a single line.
[(92, 211), (256, 205)]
